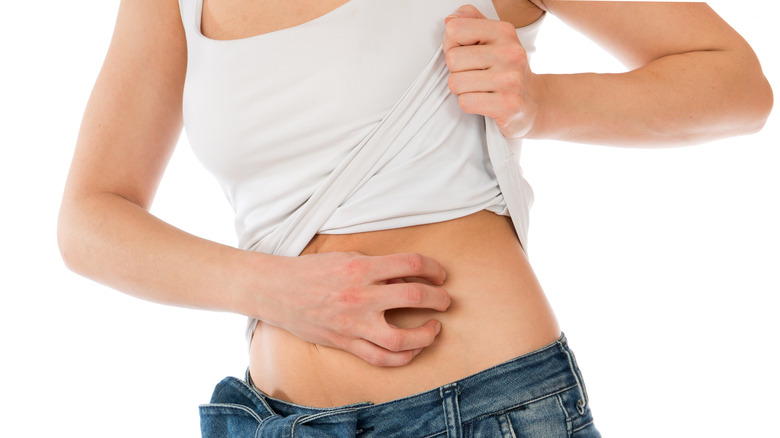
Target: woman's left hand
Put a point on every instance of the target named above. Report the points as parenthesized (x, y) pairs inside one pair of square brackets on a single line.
[(489, 71)]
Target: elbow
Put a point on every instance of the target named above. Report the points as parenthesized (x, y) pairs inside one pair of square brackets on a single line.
[(747, 110), (756, 97), (65, 243), (71, 245), (762, 101), (747, 96)]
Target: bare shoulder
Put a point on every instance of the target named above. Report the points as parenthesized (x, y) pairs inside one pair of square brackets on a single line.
[(148, 48), (149, 22)]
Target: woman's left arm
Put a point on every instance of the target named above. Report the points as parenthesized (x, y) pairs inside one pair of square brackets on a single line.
[(693, 77)]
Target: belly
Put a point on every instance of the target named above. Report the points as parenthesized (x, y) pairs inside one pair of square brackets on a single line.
[(498, 312)]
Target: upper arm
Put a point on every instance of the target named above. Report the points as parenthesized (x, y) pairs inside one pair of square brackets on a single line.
[(133, 118), (640, 32)]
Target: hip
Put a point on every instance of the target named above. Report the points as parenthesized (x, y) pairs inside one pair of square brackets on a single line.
[(540, 394)]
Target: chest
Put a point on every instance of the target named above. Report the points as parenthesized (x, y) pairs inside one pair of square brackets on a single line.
[(312, 90), (235, 19)]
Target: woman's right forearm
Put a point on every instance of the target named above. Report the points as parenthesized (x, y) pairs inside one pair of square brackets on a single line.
[(112, 240), (332, 299)]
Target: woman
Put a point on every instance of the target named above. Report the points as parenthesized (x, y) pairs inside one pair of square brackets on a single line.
[(431, 295)]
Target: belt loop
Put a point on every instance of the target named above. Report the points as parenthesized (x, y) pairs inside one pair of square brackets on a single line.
[(583, 401), (449, 400)]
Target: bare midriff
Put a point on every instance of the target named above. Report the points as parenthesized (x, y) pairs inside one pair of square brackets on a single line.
[(498, 312)]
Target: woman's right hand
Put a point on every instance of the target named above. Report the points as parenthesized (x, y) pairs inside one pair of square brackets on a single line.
[(339, 300)]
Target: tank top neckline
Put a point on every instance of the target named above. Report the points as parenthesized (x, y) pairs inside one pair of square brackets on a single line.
[(267, 35), (339, 10)]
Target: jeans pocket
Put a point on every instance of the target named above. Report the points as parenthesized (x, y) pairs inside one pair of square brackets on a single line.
[(222, 420), (558, 415), (541, 418)]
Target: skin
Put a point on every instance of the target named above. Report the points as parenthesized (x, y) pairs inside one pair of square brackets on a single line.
[(352, 305), (693, 78)]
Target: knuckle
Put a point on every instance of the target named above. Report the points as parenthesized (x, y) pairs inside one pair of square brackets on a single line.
[(454, 84), (515, 53), (513, 58), (353, 265), (405, 357), (375, 358), (450, 58), (415, 263), (512, 80), (414, 293), (506, 28), (466, 104), (356, 267), (455, 28), (451, 29), (349, 297), (456, 25), (394, 342)]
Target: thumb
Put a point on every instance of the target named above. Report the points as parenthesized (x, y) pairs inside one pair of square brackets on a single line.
[(465, 11)]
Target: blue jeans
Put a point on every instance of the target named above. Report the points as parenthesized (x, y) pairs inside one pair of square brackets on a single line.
[(538, 395)]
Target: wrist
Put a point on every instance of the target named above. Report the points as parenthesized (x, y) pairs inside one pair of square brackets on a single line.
[(544, 126), (250, 277)]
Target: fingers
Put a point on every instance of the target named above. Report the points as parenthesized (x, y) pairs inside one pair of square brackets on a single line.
[(407, 265), (394, 346), (483, 57), (480, 103), (473, 81), (398, 340), (411, 295), (343, 305), (461, 31), (379, 356), (465, 11), (465, 58), (489, 71)]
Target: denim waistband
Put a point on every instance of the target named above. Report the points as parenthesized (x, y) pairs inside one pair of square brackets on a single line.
[(549, 370)]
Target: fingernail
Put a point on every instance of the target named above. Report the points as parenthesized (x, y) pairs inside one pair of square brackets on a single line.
[(438, 328)]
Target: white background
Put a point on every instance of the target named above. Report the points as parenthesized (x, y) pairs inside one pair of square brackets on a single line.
[(661, 264)]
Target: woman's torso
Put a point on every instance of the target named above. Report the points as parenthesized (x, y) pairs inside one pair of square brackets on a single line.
[(499, 310)]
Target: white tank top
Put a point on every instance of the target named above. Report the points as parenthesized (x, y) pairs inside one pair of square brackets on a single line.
[(272, 116)]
